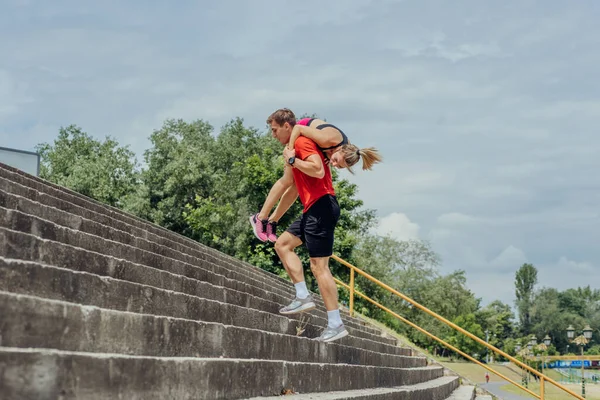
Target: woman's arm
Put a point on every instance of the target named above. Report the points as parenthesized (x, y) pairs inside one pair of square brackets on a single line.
[(324, 138)]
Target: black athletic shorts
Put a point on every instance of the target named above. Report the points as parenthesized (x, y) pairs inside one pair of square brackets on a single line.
[(316, 226)]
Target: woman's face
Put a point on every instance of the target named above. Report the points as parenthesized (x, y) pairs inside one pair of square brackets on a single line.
[(337, 160)]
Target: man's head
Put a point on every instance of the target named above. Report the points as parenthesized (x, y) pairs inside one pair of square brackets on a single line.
[(282, 122)]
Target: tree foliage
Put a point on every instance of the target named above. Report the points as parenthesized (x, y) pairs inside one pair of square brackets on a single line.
[(102, 170), (525, 280)]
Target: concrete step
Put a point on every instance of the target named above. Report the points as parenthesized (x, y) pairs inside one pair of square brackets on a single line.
[(148, 251), (17, 276), (51, 374), (436, 389), (18, 245), (107, 249), (72, 327), (464, 392), (17, 182), (17, 220)]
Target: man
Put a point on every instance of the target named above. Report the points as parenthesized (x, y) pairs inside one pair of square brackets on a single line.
[(311, 180)]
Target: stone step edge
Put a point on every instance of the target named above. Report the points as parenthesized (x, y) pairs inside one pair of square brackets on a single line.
[(464, 392), (35, 373), (252, 310), (351, 321), (108, 312), (349, 394), (45, 351), (167, 234)]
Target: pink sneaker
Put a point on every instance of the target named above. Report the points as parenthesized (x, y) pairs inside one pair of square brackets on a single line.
[(272, 231), (259, 227)]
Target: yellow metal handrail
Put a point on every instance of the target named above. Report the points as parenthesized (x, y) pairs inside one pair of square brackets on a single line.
[(353, 291), (434, 337)]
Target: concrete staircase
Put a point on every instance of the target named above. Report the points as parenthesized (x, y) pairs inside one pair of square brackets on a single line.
[(98, 304)]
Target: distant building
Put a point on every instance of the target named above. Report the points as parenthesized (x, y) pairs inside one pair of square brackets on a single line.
[(26, 161)]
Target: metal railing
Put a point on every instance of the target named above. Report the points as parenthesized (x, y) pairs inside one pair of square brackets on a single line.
[(353, 292)]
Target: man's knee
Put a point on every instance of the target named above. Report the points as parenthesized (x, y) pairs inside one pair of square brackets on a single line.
[(286, 243), (280, 246), (319, 265)]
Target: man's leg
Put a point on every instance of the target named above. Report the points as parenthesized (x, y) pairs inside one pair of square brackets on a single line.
[(285, 245), (321, 221), (328, 289)]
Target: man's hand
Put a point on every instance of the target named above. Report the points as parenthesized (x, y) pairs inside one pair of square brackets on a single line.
[(288, 153)]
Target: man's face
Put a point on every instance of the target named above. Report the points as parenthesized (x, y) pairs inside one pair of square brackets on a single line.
[(281, 132)]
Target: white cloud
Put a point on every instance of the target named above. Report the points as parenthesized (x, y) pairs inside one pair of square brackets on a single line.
[(399, 226), (509, 258), (570, 266)]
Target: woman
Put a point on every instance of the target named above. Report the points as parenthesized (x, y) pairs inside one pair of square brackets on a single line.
[(337, 150)]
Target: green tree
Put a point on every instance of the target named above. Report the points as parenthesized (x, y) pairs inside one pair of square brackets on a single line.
[(457, 339), (498, 319), (178, 169), (102, 170), (553, 311), (400, 264), (525, 281)]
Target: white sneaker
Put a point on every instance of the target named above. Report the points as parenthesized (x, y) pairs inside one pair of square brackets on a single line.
[(331, 334), (299, 305)]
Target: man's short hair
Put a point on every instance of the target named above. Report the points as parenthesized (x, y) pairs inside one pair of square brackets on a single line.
[(282, 116)]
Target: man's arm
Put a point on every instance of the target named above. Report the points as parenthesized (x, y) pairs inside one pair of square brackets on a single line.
[(312, 166)]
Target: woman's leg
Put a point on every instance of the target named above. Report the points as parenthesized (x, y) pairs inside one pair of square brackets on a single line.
[(276, 192), (288, 198), (259, 221)]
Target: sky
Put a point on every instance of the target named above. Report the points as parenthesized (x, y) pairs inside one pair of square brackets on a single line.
[(486, 113)]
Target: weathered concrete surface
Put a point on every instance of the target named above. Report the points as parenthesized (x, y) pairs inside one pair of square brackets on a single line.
[(57, 225), (83, 288), (437, 389), (48, 374), (464, 392), (72, 327), (23, 246)]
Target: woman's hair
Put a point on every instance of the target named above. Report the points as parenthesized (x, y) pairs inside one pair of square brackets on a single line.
[(282, 116), (352, 154)]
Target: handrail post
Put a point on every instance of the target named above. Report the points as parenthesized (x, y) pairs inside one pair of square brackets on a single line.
[(351, 292), (542, 387)]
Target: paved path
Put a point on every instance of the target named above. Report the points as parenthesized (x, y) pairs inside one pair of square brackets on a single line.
[(494, 388)]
